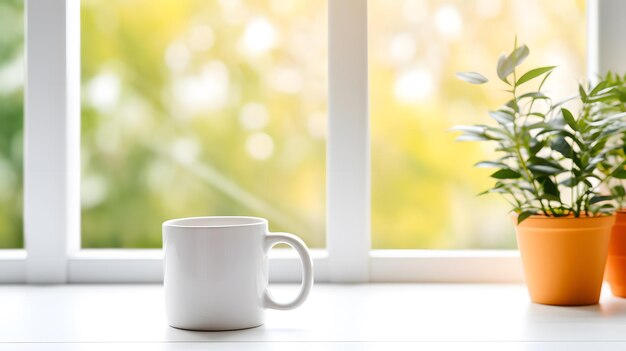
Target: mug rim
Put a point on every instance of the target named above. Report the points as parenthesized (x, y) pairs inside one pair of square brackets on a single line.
[(180, 222)]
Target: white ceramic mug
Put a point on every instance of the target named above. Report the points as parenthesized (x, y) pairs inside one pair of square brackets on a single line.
[(215, 272)]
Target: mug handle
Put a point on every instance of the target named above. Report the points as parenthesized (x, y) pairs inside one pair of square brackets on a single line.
[(272, 239)]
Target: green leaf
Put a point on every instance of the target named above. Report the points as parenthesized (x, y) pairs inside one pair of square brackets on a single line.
[(569, 119), (607, 119), (612, 90), (508, 149), (583, 94), (599, 198), (505, 173), (598, 145), (550, 188), (471, 129), (485, 192), (541, 125), (600, 86), (545, 169), (489, 164), (513, 105), (502, 74), (619, 173), (535, 160), (619, 191), (471, 137), (621, 94), (501, 117), (518, 55), (472, 77), (577, 161), (542, 167), (561, 145), (536, 146), (606, 209), (506, 65), (569, 182), (533, 73), (603, 97), (497, 133), (522, 216)]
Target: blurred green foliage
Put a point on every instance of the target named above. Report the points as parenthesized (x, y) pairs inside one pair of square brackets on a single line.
[(198, 107), (11, 122)]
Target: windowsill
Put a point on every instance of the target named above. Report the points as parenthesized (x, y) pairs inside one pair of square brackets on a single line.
[(376, 313)]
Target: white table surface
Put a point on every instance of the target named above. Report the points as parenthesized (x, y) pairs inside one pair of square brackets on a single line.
[(336, 317)]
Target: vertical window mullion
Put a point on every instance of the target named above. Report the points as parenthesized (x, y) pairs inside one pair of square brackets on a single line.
[(51, 162), (348, 148), (605, 45)]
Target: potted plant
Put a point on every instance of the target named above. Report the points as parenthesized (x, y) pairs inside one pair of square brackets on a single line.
[(552, 168), (616, 261)]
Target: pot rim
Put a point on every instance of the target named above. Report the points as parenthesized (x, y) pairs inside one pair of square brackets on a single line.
[(570, 217), (566, 223)]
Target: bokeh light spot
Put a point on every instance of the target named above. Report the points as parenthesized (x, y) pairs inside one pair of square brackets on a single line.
[(260, 146)]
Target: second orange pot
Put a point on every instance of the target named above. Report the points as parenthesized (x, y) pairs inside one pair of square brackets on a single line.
[(564, 258), (616, 262)]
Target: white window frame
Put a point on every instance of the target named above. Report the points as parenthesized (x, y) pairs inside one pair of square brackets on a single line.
[(52, 251)]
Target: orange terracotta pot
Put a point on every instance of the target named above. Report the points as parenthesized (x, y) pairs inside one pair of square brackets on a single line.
[(564, 258), (616, 262)]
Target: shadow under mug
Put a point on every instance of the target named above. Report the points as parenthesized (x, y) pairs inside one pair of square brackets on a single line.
[(216, 275)]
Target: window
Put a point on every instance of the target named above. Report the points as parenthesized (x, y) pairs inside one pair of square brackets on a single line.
[(423, 185), (201, 108), (11, 122), (148, 110)]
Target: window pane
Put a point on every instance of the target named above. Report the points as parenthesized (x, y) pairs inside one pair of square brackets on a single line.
[(195, 108), (11, 122), (424, 186)]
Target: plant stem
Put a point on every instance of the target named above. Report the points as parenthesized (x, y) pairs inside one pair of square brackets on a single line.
[(517, 141), (529, 175)]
